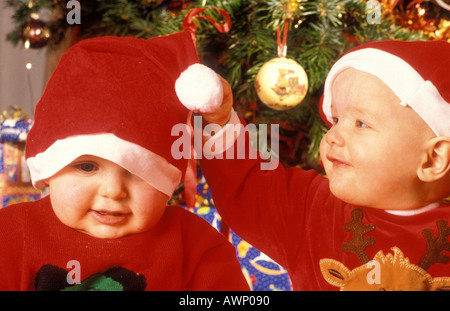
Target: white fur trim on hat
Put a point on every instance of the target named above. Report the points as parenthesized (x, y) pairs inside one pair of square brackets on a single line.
[(199, 88), (149, 166), (402, 79)]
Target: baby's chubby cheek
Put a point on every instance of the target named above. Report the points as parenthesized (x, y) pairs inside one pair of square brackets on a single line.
[(323, 150)]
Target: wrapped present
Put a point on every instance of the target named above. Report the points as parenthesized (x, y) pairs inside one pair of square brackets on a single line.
[(15, 181), (203, 193), (261, 272), (15, 130)]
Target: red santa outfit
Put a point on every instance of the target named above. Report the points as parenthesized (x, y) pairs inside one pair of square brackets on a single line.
[(113, 98), (319, 239), (324, 243), (182, 252)]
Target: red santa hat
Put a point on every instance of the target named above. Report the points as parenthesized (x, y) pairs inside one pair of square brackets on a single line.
[(114, 98), (416, 71)]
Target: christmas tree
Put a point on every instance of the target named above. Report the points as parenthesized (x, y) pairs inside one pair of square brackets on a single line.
[(316, 33)]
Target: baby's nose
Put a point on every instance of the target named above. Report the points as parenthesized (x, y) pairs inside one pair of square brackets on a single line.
[(113, 187), (334, 136)]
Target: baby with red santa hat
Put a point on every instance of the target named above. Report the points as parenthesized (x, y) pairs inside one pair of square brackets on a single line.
[(378, 220), (101, 141)]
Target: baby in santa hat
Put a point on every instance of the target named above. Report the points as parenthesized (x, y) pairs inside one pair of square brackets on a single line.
[(101, 141), (378, 220)]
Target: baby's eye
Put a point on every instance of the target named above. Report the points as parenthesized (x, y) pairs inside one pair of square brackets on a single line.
[(86, 167), (335, 120), (361, 124)]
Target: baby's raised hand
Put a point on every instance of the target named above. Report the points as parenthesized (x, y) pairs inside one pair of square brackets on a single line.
[(203, 91), (222, 113)]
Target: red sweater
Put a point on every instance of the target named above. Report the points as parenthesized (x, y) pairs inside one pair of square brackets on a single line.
[(325, 244), (183, 252)]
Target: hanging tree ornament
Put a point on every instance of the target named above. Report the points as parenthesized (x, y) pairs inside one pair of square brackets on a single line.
[(281, 83), (35, 33)]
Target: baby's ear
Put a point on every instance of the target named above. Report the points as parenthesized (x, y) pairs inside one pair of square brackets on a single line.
[(435, 163)]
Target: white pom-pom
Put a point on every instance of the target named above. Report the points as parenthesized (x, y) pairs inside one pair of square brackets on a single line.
[(199, 88)]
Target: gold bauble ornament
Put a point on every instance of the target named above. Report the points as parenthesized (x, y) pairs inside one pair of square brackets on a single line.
[(281, 83)]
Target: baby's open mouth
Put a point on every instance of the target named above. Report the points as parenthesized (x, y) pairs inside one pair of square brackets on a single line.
[(109, 213), (109, 218)]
